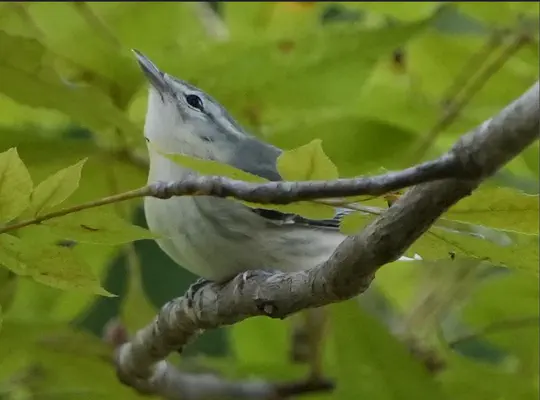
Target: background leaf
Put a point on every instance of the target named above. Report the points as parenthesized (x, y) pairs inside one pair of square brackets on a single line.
[(370, 80), (499, 208), (54, 266), (56, 188), (305, 163), (372, 362), (15, 185), (96, 226), (211, 167)]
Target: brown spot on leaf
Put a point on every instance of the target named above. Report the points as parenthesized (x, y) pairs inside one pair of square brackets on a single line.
[(399, 60), (286, 46)]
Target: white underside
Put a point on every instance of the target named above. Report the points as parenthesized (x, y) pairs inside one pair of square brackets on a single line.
[(233, 239)]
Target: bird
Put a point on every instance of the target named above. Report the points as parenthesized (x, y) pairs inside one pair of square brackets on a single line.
[(217, 238)]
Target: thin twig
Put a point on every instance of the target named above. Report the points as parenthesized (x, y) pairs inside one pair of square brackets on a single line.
[(473, 65), (453, 110), (282, 192)]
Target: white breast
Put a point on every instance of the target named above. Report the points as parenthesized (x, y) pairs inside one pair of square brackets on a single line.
[(217, 238)]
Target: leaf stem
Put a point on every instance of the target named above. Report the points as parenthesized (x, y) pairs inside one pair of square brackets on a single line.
[(132, 194)]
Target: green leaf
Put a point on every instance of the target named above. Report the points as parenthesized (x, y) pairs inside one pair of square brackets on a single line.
[(8, 287), (515, 322), (506, 248), (308, 162), (506, 14), (136, 310), (56, 188), (371, 363), (51, 265), (305, 163), (260, 340), (354, 222), (499, 208), (363, 152), (399, 11), (214, 168), (97, 226), (15, 185), (10, 253), (25, 75)]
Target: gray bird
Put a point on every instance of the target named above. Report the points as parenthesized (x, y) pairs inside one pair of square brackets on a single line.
[(217, 238)]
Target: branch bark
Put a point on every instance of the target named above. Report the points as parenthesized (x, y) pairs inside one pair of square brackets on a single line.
[(351, 268)]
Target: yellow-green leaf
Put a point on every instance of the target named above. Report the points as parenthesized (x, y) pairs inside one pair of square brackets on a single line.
[(308, 162), (56, 188), (499, 208), (97, 226), (214, 168), (372, 362), (10, 254), (15, 185), (354, 222), (51, 265), (511, 249)]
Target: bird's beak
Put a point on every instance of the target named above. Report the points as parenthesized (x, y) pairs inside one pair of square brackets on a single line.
[(151, 71)]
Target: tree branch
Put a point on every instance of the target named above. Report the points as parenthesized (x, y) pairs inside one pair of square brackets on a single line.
[(187, 386), (348, 272), (282, 192)]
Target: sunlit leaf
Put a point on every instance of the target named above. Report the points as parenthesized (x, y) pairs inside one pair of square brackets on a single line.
[(51, 265), (96, 226), (15, 185), (260, 339), (507, 248), (56, 188), (371, 362), (354, 222), (11, 249), (211, 167), (499, 208), (308, 162)]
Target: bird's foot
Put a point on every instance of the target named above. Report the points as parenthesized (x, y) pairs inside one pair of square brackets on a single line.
[(245, 276)]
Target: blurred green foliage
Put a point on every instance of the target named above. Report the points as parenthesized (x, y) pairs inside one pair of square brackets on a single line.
[(372, 81)]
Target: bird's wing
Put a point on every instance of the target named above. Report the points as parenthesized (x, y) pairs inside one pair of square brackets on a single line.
[(261, 158)]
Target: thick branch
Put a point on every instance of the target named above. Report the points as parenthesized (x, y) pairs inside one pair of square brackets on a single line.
[(350, 269)]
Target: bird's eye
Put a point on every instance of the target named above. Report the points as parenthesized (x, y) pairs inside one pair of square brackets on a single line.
[(195, 102)]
